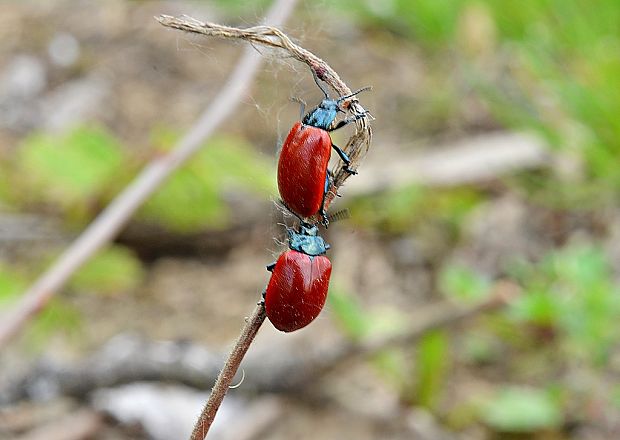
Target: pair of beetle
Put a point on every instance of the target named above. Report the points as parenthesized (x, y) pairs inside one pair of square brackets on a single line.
[(299, 280)]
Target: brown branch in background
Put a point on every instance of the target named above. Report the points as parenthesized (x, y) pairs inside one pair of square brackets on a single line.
[(128, 358), (356, 148), (442, 315), (112, 219)]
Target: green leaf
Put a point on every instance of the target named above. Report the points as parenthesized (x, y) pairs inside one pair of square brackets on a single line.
[(358, 322), (349, 314), (521, 410), (401, 210), (69, 169), (57, 316), (194, 197), (11, 284), (112, 271), (432, 366), (572, 290), (464, 284), (538, 307)]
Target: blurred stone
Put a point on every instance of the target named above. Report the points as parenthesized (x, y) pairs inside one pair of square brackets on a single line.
[(168, 412), (21, 82), (74, 102), (64, 49), (164, 412), (24, 77), (423, 426), (27, 237)]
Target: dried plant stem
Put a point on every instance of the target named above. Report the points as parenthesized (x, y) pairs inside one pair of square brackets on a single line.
[(107, 225), (358, 144), (224, 379)]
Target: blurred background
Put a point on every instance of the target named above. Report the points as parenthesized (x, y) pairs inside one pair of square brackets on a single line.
[(494, 168)]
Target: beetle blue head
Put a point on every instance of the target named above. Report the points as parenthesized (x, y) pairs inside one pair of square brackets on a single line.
[(323, 115), (307, 241)]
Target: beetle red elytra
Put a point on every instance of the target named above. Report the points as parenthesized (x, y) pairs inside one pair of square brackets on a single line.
[(303, 177), (297, 289)]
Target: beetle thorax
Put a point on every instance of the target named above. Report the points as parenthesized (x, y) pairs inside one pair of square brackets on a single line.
[(323, 115), (307, 241)]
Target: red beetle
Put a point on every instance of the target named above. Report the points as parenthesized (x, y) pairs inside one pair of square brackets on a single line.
[(303, 177), (299, 281)]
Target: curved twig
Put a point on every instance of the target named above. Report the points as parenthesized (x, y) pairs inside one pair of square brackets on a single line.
[(358, 144)]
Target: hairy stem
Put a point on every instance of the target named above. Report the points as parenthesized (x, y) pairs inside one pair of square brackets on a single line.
[(224, 379)]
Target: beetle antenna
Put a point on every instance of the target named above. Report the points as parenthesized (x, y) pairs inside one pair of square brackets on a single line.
[(318, 83), (363, 89), (343, 214)]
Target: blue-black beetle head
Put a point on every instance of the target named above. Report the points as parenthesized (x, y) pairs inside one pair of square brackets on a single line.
[(307, 241), (324, 115)]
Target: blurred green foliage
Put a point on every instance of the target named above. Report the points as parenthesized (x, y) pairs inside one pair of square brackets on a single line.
[(463, 284), (68, 173), (521, 410), (410, 208), (195, 196), (570, 303), (563, 78), (572, 291), (545, 65), (112, 271), (58, 317), (245, 7), (359, 323), (12, 283), (429, 22), (432, 366), (76, 173)]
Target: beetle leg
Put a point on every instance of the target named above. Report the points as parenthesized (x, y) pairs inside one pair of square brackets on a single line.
[(345, 159), (347, 121), (322, 212), (325, 220), (271, 267)]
